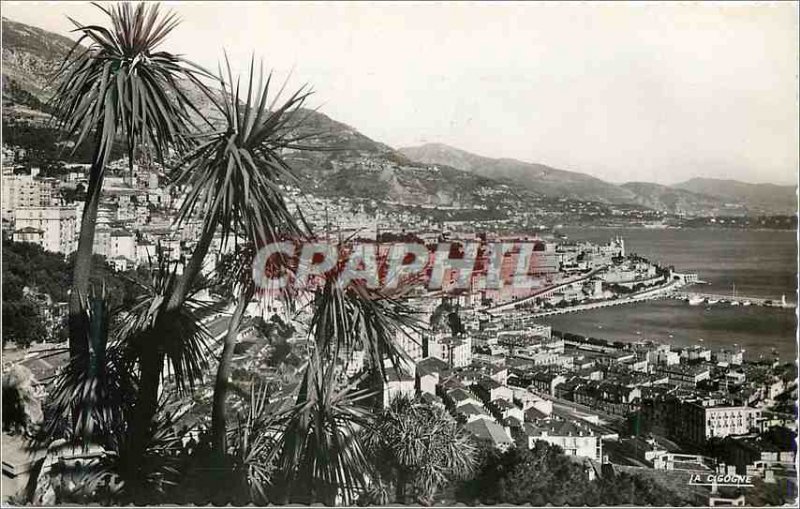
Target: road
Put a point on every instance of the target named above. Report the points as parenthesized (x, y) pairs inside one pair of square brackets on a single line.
[(549, 289), (652, 293)]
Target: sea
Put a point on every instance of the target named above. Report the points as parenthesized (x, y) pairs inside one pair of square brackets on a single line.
[(760, 263)]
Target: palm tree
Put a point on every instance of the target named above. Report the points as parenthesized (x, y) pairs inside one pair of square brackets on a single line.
[(418, 446), (322, 456), (119, 86), (177, 336), (233, 180)]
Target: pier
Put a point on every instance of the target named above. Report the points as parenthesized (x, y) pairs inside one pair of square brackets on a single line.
[(709, 298), (649, 294)]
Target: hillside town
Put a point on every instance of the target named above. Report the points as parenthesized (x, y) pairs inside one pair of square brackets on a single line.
[(229, 283), (510, 381)]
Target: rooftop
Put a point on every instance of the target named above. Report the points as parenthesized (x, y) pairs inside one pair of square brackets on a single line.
[(556, 427), (484, 429)]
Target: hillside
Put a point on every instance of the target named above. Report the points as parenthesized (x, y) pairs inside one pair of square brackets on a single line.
[(770, 198), (31, 56), (347, 163), (538, 178), (697, 196), (677, 201)]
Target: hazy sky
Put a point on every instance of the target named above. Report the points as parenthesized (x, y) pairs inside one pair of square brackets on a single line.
[(656, 92)]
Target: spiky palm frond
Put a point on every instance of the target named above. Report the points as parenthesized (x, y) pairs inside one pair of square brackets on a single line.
[(120, 83), (180, 334), (253, 443), (356, 316), (321, 452), (92, 395), (421, 445), (234, 176)]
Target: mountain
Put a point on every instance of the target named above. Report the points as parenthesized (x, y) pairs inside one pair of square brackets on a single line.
[(538, 178), (347, 164), (30, 58), (769, 198), (699, 196), (678, 201)]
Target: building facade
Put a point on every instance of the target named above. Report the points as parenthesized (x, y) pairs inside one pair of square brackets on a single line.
[(57, 226)]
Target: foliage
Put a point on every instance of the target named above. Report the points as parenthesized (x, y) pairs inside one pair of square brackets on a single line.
[(119, 82), (360, 317), (117, 476), (22, 322), (179, 334), (418, 448), (26, 264), (233, 177), (544, 475), (322, 455), (521, 476), (90, 401), (782, 492)]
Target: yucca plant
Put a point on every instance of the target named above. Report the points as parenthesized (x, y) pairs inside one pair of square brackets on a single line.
[(233, 181), (254, 444), (356, 316), (233, 177), (418, 448), (118, 474), (114, 83), (239, 278), (91, 399), (158, 336), (322, 457)]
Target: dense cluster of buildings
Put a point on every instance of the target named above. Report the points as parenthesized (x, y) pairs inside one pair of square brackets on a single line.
[(510, 381), (519, 383)]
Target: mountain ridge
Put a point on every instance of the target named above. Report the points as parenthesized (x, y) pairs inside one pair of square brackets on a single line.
[(689, 197), (354, 165), (348, 163)]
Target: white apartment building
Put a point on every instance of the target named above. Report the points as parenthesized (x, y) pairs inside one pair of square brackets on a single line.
[(122, 243), (456, 351), (725, 420), (27, 191), (397, 384), (696, 352), (574, 439), (735, 357), (56, 224), (663, 355)]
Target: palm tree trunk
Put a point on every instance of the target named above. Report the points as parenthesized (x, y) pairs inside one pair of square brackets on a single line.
[(400, 489), (192, 268), (151, 363), (218, 417), (82, 270)]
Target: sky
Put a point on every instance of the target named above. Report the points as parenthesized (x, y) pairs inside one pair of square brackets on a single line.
[(658, 92)]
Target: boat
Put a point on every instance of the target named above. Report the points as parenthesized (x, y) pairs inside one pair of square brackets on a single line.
[(746, 303), (713, 301), (695, 300), (734, 303)]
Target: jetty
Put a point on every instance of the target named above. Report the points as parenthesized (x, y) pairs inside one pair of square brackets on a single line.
[(712, 298)]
